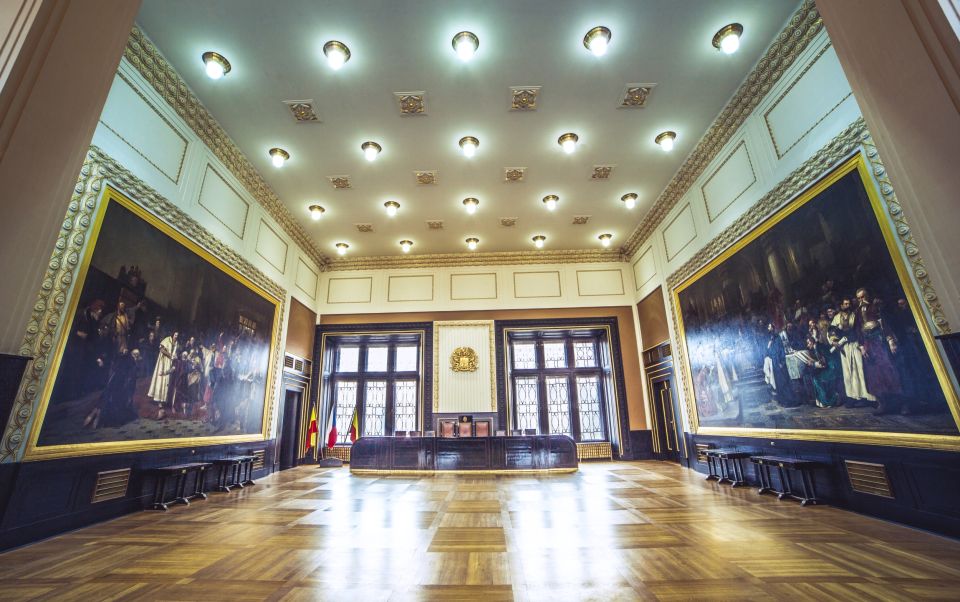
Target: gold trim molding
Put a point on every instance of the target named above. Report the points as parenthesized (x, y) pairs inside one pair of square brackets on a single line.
[(442, 260), (51, 306), (804, 25), (141, 53)]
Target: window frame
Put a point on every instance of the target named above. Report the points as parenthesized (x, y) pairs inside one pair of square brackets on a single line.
[(362, 376), (570, 372)]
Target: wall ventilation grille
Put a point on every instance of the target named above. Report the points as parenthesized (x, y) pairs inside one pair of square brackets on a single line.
[(296, 364), (111, 485), (869, 478), (702, 452), (594, 451), (258, 458)]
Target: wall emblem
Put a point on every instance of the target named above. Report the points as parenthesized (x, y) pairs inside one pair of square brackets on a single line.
[(463, 359)]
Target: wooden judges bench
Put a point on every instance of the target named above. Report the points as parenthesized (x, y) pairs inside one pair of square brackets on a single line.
[(557, 453)]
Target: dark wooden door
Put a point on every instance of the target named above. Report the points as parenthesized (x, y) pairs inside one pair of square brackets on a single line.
[(289, 429), (666, 443)]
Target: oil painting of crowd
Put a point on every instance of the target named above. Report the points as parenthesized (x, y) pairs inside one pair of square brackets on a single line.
[(163, 345), (808, 327)]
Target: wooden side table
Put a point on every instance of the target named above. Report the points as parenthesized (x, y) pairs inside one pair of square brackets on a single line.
[(182, 474), (721, 461), (784, 465)]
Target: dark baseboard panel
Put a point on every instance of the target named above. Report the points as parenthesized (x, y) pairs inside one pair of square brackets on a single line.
[(41, 499), (641, 444), (925, 484)]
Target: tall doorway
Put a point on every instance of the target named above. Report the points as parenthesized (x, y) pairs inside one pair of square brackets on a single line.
[(289, 429), (668, 443)]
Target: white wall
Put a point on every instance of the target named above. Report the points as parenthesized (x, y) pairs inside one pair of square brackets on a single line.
[(809, 105)]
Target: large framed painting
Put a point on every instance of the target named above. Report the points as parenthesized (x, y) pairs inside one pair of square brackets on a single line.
[(809, 327), (163, 345)]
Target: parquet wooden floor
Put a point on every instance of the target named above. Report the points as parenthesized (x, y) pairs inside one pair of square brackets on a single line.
[(613, 531)]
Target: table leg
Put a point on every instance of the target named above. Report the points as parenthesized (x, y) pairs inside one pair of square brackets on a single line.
[(712, 468), (809, 495), (737, 473), (199, 485), (248, 466), (158, 503)]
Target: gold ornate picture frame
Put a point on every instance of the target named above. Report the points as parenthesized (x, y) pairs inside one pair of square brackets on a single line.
[(89, 221), (855, 165)]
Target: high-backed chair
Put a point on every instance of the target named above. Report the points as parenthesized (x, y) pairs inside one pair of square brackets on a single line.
[(482, 428), (465, 429), (447, 428)]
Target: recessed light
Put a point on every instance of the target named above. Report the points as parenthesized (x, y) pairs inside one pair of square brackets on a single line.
[(279, 156), (551, 201), (471, 204), (568, 142), (597, 40), (405, 245), (316, 212), (370, 150), (466, 44), (342, 248), (538, 240), (605, 239), (469, 145), (337, 54), (392, 207), (629, 200), (665, 140), (472, 243), (727, 40), (216, 65)]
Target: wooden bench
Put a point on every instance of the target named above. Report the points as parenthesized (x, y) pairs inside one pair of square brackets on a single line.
[(233, 472), (182, 473), (719, 469), (784, 465)]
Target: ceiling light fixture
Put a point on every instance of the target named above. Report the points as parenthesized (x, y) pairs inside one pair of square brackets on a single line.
[(405, 245), (665, 140), (316, 212), (568, 142), (538, 240), (472, 243), (471, 204), (215, 64), (629, 200), (605, 239), (597, 40), (279, 156), (727, 40), (337, 54), (392, 207), (551, 201), (465, 43), (469, 145), (371, 150), (342, 248)]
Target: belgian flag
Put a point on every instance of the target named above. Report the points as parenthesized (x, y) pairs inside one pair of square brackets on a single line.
[(312, 430), (354, 426)]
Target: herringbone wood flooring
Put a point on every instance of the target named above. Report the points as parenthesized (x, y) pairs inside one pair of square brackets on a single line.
[(613, 531)]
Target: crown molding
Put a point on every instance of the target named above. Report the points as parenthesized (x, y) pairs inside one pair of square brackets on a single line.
[(804, 25), (441, 260), (151, 64)]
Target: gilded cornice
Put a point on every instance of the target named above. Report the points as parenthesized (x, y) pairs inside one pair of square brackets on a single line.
[(147, 59), (803, 26), (50, 308), (441, 260)]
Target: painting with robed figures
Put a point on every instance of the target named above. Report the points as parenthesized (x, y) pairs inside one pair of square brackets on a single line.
[(164, 342), (810, 323)]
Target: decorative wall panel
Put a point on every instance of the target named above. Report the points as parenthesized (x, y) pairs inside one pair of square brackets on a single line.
[(272, 247), (536, 284), (679, 232), (306, 279), (223, 202), (470, 391), (469, 287), (410, 288), (595, 283), (732, 178), (350, 290), (140, 126), (644, 268), (815, 93)]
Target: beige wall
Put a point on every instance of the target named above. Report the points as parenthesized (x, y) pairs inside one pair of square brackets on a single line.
[(653, 319), (301, 328), (902, 59), (628, 349), (53, 92)]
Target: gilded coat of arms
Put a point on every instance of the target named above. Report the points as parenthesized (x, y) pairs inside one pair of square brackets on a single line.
[(463, 359)]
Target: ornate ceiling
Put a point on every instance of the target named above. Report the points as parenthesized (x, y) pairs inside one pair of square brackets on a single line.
[(404, 87)]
